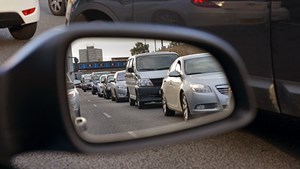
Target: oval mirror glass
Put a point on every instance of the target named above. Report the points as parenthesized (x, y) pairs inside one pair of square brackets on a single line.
[(122, 89)]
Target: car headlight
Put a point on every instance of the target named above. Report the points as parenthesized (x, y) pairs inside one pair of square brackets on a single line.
[(200, 88), (144, 82)]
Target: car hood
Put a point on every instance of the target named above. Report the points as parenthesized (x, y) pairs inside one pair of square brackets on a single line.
[(153, 74), (121, 83), (212, 79)]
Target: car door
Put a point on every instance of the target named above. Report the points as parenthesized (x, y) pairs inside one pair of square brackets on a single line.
[(174, 86), (286, 51)]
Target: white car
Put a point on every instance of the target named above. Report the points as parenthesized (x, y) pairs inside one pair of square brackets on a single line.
[(20, 17), (196, 84)]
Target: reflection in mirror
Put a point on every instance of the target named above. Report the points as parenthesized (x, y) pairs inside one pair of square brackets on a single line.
[(122, 89)]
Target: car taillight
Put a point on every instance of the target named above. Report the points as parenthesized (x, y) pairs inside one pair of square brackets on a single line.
[(205, 3), (28, 11)]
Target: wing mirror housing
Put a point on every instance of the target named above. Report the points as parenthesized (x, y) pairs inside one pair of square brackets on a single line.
[(174, 74), (45, 124)]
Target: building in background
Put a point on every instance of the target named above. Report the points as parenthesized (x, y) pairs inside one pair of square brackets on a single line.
[(90, 54)]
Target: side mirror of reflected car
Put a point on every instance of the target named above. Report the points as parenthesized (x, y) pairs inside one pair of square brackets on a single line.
[(174, 74), (47, 124)]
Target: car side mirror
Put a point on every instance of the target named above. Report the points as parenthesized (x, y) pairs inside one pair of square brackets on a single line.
[(174, 74), (130, 70), (45, 56)]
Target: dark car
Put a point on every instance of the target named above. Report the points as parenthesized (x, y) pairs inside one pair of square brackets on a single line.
[(264, 32)]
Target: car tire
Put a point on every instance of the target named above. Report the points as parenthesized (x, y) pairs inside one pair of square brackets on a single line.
[(131, 102), (23, 32), (117, 99), (113, 98), (185, 107), (140, 104), (166, 110), (57, 7)]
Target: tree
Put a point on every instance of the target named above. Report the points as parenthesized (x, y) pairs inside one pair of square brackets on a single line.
[(139, 48), (173, 44)]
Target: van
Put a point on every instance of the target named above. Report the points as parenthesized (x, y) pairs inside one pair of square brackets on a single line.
[(144, 75)]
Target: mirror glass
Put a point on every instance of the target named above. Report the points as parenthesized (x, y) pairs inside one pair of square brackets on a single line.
[(122, 89)]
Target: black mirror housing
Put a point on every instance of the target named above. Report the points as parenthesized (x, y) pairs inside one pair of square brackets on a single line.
[(45, 57)]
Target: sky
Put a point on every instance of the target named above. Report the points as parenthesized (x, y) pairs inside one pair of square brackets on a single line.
[(113, 47)]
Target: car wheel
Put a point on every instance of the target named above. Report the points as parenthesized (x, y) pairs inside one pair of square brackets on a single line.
[(84, 90), (185, 107), (166, 110), (99, 95), (113, 98), (140, 104), (57, 7), (23, 32), (131, 102), (93, 92)]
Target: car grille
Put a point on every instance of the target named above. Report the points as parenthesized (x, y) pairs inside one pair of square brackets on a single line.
[(223, 89), (157, 82)]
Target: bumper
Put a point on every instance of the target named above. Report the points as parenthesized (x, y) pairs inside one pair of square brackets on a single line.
[(149, 94), (10, 19), (201, 103), (121, 93)]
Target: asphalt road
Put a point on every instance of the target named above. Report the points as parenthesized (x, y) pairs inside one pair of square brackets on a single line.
[(107, 117), (270, 142)]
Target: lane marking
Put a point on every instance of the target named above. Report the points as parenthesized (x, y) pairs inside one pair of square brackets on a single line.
[(108, 116), (132, 134), (95, 105)]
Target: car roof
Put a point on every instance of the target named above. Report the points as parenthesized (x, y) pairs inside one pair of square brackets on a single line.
[(195, 56), (154, 53)]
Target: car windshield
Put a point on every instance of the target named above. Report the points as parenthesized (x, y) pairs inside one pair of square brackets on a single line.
[(110, 77), (121, 77), (201, 65), (87, 80), (155, 62)]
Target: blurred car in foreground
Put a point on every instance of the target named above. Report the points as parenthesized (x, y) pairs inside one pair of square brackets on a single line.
[(264, 32), (196, 84), (119, 87), (20, 17)]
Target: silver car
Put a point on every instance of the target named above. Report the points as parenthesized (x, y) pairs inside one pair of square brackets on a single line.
[(195, 84), (119, 87), (100, 85), (73, 97)]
